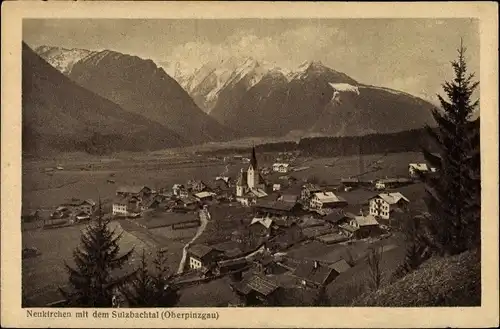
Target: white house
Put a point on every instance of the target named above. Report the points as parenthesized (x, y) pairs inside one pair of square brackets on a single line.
[(383, 204), (413, 168), (276, 187), (123, 206), (281, 167), (322, 200)]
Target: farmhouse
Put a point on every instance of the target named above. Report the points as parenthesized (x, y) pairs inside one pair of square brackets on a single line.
[(279, 208), (281, 167), (340, 267), (322, 200), (196, 186), (308, 190), (314, 275), (414, 168), (383, 204), (125, 205), (202, 256), (392, 183), (204, 196), (179, 190), (261, 226), (256, 289), (138, 191), (77, 205), (365, 226)]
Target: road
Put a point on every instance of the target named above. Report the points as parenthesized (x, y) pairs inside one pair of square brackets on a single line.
[(204, 218)]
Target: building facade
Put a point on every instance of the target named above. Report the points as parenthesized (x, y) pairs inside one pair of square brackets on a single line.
[(383, 204)]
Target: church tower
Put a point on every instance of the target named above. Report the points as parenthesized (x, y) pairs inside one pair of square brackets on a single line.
[(253, 171)]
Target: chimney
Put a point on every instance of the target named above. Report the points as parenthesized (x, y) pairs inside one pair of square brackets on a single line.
[(316, 264)]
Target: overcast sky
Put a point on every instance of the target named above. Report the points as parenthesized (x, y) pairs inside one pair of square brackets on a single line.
[(412, 55)]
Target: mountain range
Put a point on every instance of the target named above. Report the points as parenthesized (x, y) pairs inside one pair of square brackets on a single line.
[(59, 115), (258, 99), (240, 97)]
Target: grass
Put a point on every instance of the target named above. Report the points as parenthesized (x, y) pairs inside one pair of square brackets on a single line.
[(441, 281)]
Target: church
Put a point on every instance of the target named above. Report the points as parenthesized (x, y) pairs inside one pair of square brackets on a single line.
[(250, 184)]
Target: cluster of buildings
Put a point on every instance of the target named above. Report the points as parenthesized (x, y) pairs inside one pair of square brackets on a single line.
[(74, 210)]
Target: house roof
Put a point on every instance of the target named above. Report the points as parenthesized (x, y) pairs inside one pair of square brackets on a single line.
[(259, 193), (258, 283), (348, 227), (317, 275), (419, 166), (204, 194), (275, 205), (340, 266), (326, 197), (335, 216), (78, 202), (279, 164), (366, 220), (292, 198), (131, 189), (200, 250), (266, 222), (391, 198)]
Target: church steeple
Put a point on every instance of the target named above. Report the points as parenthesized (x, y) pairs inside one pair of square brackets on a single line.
[(253, 160)]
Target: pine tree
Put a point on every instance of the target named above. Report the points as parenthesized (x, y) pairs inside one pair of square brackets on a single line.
[(92, 280), (454, 191), (148, 289)]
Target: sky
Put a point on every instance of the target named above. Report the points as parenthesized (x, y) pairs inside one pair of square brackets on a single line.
[(411, 55)]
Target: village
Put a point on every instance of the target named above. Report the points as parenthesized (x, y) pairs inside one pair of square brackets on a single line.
[(260, 233)]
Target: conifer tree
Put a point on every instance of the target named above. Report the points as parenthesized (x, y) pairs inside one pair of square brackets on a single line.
[(147, 289), (92, 280), (454, 191)]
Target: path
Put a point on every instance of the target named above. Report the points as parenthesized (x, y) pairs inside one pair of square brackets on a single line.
[(204, 218)]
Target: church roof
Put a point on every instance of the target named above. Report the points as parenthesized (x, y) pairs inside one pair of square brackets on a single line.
[(253, 159)]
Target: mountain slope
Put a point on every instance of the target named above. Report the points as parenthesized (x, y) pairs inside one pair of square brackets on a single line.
[(61, 58), (59, 115), (311, 100), (140, 87)]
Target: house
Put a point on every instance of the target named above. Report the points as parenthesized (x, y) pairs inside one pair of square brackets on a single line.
[(322, 200), (281, 167), (348, 230), (126, 205), (261, 226), (278, 208), (365, 226), (276, 187), (350, 183), (314, 275), (138, 191), (204, 196), (76, 205), (290, 198), (340, 266), (338, 216), (179, 190), (383, 204), (231, 266), (308, 190), (382, 184), (196, 186), (415, 168), (202, 256), (257, 289)]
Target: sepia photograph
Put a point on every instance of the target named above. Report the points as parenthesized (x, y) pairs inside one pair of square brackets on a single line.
[(250, 162)]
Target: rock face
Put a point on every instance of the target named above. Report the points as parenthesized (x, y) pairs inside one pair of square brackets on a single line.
[(62, 59), (59, 115), (260, 100), (140, 87)]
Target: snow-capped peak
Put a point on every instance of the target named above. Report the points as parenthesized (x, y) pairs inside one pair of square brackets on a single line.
[(62, 59)]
